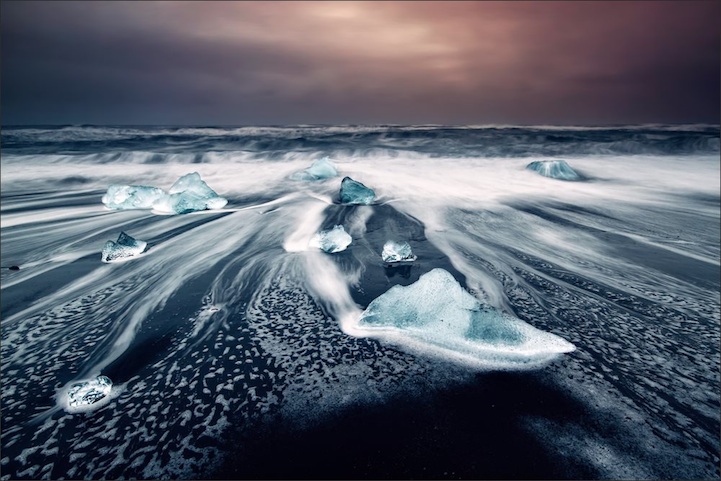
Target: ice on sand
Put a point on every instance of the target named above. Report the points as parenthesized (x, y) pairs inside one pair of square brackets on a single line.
[(126, 197), (555, 169), (189, 194), (85, 393), (397, 252), (126, 246), (320, 170), (334, 240), (436, 314), (353, 192)]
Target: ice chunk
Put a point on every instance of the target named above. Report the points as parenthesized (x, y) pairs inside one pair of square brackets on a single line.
[(185, 202), (436, 314), (192, 183), (125, 247), (320, 170), (555, 169), (353, 192), (124, 197), (397, 252), (334, 240), (85, 393), (189, 194)]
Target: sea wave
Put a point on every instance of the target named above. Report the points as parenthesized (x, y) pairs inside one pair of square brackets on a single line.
[(453, 141)]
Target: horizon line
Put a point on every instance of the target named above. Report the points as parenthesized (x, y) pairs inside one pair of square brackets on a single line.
[(291, 125)]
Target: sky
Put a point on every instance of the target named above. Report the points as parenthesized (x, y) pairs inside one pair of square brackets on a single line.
[(339, 62)]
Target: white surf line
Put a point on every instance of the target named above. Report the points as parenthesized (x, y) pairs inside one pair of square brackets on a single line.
[(329, 285), (680, 252), (164, 287), (62, 256), (55, 262), (270, 203), (98, 278), (309, 222), (52, 214), (646, 241)]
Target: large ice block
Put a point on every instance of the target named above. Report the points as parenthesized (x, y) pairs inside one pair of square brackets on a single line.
[(320, 170), (397, 252), (125, 247), (353, 192), (125, 197), (437, 314), (85, 393), (189, 194), (555, 169), (334, 240)]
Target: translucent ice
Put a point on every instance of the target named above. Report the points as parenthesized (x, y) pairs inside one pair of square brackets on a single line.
[(334, 240), (188, 194), (555, 169), (125, 247), (435, 313), (123, 197), (353, 192), (86, 393), (397, 252), (320, 170)]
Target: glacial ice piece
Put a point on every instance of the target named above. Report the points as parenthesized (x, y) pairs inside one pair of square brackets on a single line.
[(189, 194), (435, 313), (397, 252), (320, 170), (334, 240), (555, 169), (85, 393), (125, 197), (184, 202), (126, 246), (353, 192)]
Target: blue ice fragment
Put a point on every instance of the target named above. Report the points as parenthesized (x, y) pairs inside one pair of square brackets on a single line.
[(126, 246), (185, 202), (334, 240), (555, 169), (397, 252), (85, 393), (124, 197), (189, 194), (192, 183), (353, 192), (320, 170), (435, 313)]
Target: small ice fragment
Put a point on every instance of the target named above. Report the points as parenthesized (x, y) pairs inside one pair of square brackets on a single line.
[(555, 169), (334, 240), (85, 393), (126, 246), (189, 194), (320, 170), (125, 197), (353, 192), (397, 252)]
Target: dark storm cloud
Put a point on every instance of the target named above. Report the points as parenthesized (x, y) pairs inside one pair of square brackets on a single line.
[(77, 70), (359, 62)]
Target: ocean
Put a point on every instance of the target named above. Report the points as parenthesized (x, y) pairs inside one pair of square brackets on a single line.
[(235, 350)]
